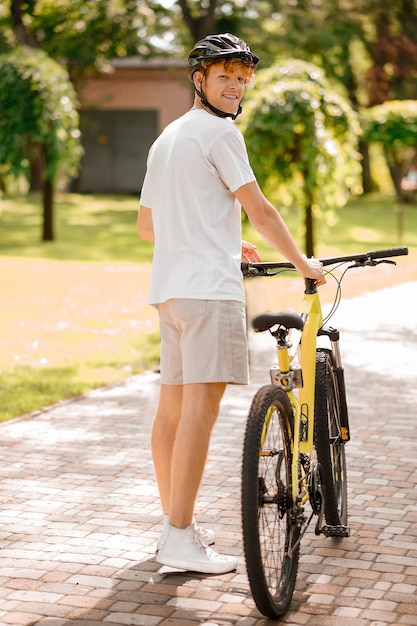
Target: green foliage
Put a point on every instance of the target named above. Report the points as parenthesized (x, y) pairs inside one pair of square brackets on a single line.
[(85, 33), (302, 138), (394, 126), (80, 33), (6, 33), (37, 111), (368, 45), (393, 123)]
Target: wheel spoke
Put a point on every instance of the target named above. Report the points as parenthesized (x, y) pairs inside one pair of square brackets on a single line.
[(269, 533)]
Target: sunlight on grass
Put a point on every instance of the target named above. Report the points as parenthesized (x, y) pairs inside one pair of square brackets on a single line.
[(371, 222), (88, 228), (365, 234), (24, 389), (90, 326), (103, 228)]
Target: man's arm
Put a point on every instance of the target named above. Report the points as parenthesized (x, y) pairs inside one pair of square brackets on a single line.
[(265, 218), (145, 224)]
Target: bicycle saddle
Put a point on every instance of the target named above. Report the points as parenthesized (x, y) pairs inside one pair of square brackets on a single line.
[(287, 319)]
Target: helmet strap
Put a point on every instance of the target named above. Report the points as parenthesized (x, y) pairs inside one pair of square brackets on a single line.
[(218, 112)]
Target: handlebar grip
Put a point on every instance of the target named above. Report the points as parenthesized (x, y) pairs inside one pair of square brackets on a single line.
[(382, 254)]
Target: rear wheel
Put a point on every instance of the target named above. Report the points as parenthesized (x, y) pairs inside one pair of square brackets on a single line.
[(270, 533), (329, 444)]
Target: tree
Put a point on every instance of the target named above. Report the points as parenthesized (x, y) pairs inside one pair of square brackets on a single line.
[(301, 139), (201, 21), (78, 33), (23, 35), (187, 21), (368, 46), (38, 116), (393, 50), (394, 126)]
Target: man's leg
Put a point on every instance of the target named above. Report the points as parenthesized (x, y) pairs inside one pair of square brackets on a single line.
[(182, 546), (164, 430), (200, 408)]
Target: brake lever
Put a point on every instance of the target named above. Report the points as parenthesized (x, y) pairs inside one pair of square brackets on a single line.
[(371, 263)]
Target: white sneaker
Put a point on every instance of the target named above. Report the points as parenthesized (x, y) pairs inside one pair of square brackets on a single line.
[(207, 535), (184, 549)]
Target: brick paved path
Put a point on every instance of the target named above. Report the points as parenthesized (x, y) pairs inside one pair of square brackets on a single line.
[(79, 517)]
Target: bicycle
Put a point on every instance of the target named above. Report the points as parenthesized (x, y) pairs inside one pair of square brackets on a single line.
[(294, 444)]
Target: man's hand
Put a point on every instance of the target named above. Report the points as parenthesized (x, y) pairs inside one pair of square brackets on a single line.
[(249, 253), (145, 224), (313, 268)]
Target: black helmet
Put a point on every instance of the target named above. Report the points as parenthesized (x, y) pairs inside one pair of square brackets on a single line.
[(216, 47)]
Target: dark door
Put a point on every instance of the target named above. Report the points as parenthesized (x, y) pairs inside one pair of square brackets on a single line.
[(116, 145)]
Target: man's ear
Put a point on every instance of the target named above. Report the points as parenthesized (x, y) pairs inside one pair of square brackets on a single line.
[(197, 79)]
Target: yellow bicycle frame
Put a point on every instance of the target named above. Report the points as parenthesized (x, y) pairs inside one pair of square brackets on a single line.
[(303, 407)]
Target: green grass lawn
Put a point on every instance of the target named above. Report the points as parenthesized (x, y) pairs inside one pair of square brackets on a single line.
[(88, 228), (103, 229), (371, 222), (24, 388)]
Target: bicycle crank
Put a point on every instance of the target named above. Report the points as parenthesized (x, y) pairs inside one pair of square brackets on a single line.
[(315, 489)]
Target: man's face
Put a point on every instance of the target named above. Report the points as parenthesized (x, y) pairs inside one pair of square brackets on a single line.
[(224, 88)]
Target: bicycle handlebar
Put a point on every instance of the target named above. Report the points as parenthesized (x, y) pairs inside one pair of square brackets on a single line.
[(372, 257)]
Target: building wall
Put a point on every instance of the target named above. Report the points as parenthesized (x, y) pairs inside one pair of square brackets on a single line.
[(134, 84)]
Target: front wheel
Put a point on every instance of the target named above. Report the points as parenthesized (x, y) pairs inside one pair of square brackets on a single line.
[(270, 532), (329, 442)]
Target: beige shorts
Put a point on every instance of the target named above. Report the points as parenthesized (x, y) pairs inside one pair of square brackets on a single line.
[(203, 341)]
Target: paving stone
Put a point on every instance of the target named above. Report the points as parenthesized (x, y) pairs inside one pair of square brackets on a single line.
[(79, 514)]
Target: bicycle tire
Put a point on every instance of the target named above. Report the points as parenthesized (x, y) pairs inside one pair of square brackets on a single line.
[(269, 529), (329, 445)]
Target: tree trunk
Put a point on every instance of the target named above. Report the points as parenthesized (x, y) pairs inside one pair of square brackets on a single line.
[(309, 230), (23, 36), (367, 183), (48, 233), (397, 172), (400, 210), (352, 87), (26, 38), (202, 23), (37, 167)]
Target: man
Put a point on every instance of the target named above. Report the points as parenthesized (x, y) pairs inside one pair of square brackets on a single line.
[(198, 178)]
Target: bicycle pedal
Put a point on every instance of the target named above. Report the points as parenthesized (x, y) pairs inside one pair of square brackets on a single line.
[(335, 531)]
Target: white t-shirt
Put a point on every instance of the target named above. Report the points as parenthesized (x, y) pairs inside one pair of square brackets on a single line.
[(193, 169)]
